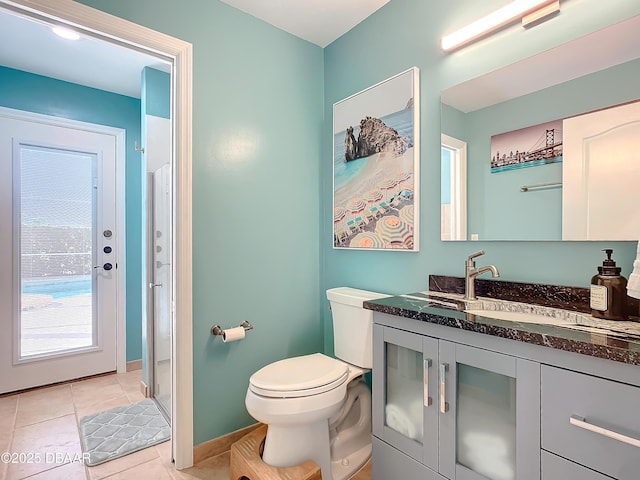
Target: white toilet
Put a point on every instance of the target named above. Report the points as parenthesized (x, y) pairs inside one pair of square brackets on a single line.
[(317, 407)]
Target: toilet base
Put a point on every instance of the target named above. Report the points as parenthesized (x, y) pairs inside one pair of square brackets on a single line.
[(345, 468), (288, 445), (246, 462)]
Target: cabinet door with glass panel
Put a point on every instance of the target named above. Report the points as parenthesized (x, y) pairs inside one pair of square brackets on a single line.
[(405, 383), (489, 415)]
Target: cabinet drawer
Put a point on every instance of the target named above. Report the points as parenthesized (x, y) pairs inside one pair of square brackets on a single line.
[(581, 414), (556, 468)]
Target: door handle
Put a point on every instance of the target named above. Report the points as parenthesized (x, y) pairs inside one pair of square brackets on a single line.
[(106, 266), (426, 398), (592, 427), (444, 406), (154, 285)]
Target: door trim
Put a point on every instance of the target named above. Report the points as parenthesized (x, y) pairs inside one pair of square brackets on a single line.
[(121, 271), (123, 32)]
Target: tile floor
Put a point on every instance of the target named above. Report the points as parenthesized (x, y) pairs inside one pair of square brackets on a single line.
[(44, 423)]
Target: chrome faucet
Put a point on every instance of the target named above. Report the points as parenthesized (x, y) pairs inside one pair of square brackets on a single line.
[(471, 272)]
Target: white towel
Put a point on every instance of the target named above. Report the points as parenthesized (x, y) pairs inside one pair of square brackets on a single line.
[(406, 420), (404, 408), (633, 285), (486, 454)]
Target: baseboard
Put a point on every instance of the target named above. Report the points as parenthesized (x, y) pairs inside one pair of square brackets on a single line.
[(134, 365), (144, 389), (221, 444)]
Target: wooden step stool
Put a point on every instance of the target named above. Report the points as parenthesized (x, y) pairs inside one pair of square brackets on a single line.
[(246, 462)]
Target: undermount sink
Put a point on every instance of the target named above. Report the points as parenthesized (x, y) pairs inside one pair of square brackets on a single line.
[(520, 317), (517, 312), (513, 311)]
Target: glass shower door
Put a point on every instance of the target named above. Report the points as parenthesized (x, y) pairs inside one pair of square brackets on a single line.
[(161, 286)]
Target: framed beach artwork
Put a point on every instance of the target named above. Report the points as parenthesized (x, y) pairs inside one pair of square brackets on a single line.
[(527, 147), (376, 158)]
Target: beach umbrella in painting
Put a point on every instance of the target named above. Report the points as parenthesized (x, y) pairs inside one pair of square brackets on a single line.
[(374, 195), (387, 185), (406, 214), (367, 240), (339, 214), (402, 177), (356, 206), (394, 232)]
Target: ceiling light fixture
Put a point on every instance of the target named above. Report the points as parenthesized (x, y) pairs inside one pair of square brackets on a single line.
[(65, 33), (501, 17)]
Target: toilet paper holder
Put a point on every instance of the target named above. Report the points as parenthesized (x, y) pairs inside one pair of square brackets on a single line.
[(217, 329)]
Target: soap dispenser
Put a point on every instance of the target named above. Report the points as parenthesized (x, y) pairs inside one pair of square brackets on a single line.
[(608, 297)]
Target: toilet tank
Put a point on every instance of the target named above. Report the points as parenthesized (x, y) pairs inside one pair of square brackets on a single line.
[(352, 325)]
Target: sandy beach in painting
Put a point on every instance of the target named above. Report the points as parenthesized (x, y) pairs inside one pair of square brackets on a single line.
[(376, 169), (371, 176)]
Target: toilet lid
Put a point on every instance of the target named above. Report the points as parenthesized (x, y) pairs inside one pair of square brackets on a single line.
[(299, 376)]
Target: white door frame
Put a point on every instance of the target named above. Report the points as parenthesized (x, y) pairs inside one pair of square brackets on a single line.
[(458, 186), (117, 30), (120, 136)]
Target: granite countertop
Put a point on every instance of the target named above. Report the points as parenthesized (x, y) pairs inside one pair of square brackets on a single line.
[(617, 341)]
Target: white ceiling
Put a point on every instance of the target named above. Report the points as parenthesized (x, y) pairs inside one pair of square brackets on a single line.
[(87, 61), (106, 66), (318, 21)]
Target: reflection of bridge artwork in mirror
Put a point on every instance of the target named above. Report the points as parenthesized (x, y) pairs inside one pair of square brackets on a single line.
[(527, 147), (507, 202)]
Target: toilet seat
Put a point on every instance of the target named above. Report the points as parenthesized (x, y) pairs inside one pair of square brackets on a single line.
[(299, 377)]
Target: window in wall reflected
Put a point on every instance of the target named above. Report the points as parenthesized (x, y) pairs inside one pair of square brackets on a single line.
[(453, 197)]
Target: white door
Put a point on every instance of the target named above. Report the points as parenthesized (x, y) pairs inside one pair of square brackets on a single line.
[(601, 174), (58, 267)]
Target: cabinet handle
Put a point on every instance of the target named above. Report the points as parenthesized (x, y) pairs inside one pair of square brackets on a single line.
[(582, 423), (444, 406), (426, 399)]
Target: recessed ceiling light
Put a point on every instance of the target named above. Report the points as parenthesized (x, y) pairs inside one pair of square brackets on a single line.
[(65, 33)]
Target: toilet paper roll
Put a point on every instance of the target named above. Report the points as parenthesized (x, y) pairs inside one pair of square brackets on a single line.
[(232, 334)]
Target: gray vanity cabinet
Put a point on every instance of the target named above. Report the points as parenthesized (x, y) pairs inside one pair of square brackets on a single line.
[(405, 383), (558, 468), (462, 412), (489, 414)]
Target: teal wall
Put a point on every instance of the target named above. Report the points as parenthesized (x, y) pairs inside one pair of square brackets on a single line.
[(495, 203), (156, 93), (406, 33), (257, 126), (35, 93), (262, 174)]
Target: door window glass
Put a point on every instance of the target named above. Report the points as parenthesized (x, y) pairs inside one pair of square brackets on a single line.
[(56, 225)]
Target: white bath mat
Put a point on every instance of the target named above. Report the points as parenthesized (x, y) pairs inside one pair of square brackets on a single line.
[(121, 431)]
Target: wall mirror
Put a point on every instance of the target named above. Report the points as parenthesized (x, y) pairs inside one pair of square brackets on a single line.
[(581, 184)]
